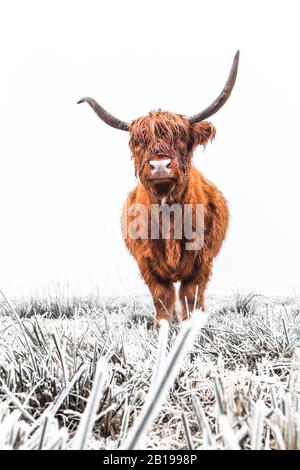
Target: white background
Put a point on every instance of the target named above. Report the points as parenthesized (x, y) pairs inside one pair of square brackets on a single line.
[(65, 174)]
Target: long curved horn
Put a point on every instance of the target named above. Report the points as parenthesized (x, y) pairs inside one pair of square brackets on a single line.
[(223, 96), (105, 115)]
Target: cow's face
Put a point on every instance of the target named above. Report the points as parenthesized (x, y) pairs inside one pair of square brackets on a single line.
[(162, 145)]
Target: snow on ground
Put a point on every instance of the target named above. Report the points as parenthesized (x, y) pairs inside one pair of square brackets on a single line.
[(237, 387)]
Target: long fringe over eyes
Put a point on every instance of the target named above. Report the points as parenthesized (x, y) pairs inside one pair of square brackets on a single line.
[(160, 125)]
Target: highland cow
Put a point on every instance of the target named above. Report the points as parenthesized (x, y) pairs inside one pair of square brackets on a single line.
[(162, 146)]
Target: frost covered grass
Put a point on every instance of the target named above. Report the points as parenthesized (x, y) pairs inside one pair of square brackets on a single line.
[(93, 373)]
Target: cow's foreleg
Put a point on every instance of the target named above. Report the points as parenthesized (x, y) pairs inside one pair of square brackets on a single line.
[(192, 288), (163, 294)]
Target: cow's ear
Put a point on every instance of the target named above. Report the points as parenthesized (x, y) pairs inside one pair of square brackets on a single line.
[(203, 132)]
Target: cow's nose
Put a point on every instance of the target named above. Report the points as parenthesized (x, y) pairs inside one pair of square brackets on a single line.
[(160, 166)]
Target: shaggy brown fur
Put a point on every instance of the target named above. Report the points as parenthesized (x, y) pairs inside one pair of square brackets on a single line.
[(161, 135), (162, 146)]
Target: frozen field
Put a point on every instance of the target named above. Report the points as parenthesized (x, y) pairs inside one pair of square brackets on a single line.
[(237, 385)]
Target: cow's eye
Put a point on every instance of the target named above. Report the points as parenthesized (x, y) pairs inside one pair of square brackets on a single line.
[(135, 142), (181, 135)]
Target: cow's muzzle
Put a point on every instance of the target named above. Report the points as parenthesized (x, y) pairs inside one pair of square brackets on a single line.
[(161, 169)]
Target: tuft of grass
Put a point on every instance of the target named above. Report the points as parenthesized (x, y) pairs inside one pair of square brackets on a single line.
[(89, 373)]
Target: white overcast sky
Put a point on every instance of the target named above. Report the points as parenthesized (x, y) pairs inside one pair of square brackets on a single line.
[(65, 174)]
